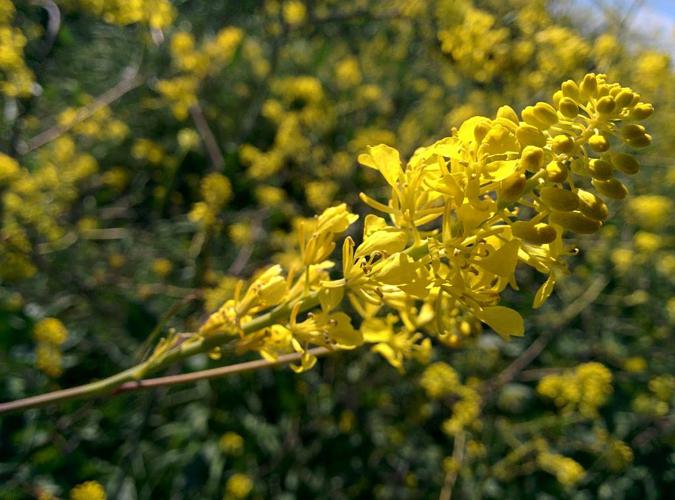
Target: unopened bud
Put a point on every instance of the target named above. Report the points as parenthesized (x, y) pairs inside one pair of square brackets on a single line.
[(642, 111), (546, 113), (532, 158), (632, 130), (570, 89), (556, 171), (612, 188), (624, 98), (589, 86), (598, 143), (592, 206), (537, 234), (568, 107), (576, 222), (529, 135), (624, 162), (530, 117), (606, 105), (508, 113), (562, 144), (559, 199), (641, 141), (600, 169), (512, 187)]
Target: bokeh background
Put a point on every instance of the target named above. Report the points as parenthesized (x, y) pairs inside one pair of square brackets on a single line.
[(155, 151)]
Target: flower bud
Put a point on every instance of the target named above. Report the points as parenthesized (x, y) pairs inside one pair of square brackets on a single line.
[(512, 187), (606, 105), (556, 171), (557, 96), (603, 90), (575, 221), (600, 169), (641, 141), (568, 107), (559, 199), (632, 130), (624, 98), (589, 86), (562, 144), (612, 188), (545, 113), (508, 113), (642, 111), (626, 163), (529, 135), (570, 89), (531, 118), (537, 234), (598, 143), (532, 158), (592, 206)]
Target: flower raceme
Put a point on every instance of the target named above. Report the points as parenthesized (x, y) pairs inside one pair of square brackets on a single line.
[(461, 216)]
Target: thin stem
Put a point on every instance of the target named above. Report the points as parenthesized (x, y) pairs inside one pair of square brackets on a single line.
[(179, 352), (130, 80), (208, 139), (186, 378)]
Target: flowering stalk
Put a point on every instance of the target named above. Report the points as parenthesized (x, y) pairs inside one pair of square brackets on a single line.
[(462, 214)]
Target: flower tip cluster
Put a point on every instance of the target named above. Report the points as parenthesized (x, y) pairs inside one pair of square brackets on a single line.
[(460, 216)]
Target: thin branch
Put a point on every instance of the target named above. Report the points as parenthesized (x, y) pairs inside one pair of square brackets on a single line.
[(53, 27), (186, 378), (209, 140), (451, 476), (130, 80), (537, 347), (170, 380)]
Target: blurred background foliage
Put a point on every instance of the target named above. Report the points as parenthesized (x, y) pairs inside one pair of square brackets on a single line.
[(154, 151)]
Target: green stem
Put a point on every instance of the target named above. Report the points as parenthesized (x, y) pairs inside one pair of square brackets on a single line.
[(179, 353)]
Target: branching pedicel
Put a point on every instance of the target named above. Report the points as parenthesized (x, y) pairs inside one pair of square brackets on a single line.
[(462, 214)]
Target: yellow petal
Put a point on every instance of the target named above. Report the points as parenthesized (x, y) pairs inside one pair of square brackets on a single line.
[(385, 159), (387, 241), (503, 320), (502, 261), (544, 292)]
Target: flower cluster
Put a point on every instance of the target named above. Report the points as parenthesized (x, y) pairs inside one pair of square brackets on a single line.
[(463, 213), (566, 470), (33, 203), (50, 334), (584, 389), (156, 14), (440, 381), (193, 64), (89, 490), (16, 79)]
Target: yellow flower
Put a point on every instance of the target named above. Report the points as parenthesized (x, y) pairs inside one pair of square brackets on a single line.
[(162, 267), (567, 471), (294, 12), (650, 211), (635, 364), (238, 486), (48, 359), (9, 168), (90, 490), (439, 379), (50, 330), (231, 443), (583, 389)]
